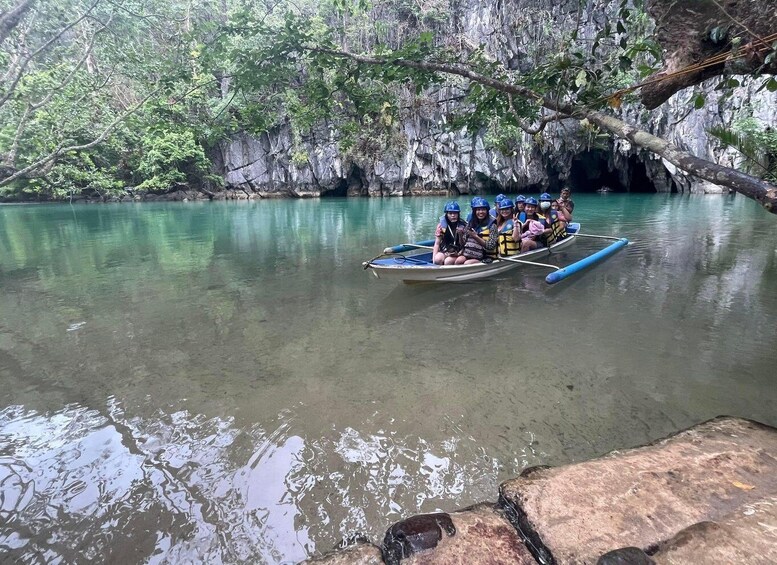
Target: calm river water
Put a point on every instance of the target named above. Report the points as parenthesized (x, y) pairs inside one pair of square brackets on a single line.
[(222, 382)]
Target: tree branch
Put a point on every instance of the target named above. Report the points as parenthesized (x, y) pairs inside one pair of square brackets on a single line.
[(10, 157), (10, 19), (543, 121), (59, 151), (23, 65), (45, 100)]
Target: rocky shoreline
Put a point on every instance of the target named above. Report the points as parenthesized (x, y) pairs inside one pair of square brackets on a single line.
[(707, 494)]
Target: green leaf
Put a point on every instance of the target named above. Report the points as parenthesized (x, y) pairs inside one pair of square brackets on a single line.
[(771, 84), (581, 79), (698, 101)]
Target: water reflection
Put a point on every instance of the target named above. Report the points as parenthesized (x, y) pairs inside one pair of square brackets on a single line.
[(224, 383), (79, 484)]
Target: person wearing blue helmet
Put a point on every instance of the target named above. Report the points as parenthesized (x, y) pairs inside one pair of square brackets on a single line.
[(449, 237), (509, 231), (481, 237), (520, 212), (495, 210), (475, 200), (553, 221), (529, 238)]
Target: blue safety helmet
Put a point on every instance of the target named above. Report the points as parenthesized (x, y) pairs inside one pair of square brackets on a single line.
[(531, 201), (452, 206), (505, 203), (480, 202), (499, 198), (474, 200), (521, 198), (545, 197)]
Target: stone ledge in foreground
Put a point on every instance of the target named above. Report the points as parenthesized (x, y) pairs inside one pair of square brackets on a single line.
[(747, 535), (643, 496)]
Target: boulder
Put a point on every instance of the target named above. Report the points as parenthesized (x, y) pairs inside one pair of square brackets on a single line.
[(641, 497)]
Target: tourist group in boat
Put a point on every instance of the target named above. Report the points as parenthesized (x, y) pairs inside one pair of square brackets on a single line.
[(508, 229)]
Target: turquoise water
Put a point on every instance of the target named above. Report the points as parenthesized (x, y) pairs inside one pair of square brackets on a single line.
[(222, 382)]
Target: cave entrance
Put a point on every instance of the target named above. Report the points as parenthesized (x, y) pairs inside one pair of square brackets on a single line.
[(484, 184), (353, 183), (590, 173)]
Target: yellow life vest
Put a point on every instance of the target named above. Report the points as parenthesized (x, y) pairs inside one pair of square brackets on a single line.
[(557, 226), (485, 233), (506, 245)]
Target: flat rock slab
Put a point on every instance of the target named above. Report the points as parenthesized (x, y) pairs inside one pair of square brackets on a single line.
[(748, 535), (641, 497), (483, 536), (362, 554)]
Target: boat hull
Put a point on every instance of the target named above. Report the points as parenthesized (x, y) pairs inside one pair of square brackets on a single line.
[(419, 268)]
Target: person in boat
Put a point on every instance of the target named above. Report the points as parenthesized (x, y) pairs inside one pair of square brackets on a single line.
[(520, 211), (449, 237), (530, 237), (565, 204), (494, 212), (553, 221), (481, 235), (472, 207), (508, 229)]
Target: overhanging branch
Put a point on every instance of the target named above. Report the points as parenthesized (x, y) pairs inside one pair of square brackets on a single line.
[(752, 187)]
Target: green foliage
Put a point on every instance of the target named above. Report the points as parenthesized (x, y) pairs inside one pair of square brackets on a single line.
[(78, 87), (170, 158), (757, 145)]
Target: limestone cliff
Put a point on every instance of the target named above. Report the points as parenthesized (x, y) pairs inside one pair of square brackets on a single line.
[(426, 158)]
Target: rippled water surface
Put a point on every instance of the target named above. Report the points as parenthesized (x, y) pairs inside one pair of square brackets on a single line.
[(222, 382)]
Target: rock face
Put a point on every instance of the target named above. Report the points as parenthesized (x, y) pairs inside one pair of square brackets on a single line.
[(641, 497), (424, 158)]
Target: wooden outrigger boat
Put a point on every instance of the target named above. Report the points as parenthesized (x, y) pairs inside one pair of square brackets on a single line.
[(412, 262)]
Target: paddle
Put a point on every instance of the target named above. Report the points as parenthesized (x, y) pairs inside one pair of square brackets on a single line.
[(597, 236), (525, 262), (408, 246)]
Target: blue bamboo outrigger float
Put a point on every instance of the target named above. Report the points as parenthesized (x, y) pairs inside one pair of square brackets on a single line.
[(412, 262)]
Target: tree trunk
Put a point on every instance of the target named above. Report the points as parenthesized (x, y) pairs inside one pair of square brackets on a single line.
[(693, 32), (10, 19)]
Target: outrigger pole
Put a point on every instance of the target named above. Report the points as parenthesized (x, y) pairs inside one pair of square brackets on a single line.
[(429, 244), (569, 270)]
